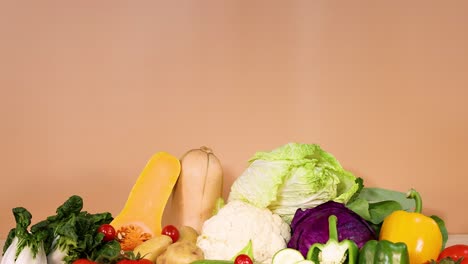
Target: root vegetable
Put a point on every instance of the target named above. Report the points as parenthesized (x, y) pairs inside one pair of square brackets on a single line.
[(182, 252)]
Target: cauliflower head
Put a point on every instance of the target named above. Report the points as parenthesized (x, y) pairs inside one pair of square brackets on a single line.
[(229, 231)]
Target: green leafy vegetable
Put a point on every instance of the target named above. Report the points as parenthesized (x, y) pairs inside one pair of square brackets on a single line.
[(374, 204), (61, 238), (442, 228), (360, 186), (106, 252), (294, 176), (23, 246), (74, 231), (9, 239), (380, 210)]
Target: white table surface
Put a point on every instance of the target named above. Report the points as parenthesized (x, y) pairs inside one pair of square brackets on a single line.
[(452, 240)]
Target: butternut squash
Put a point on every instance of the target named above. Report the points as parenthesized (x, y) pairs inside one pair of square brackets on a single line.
[(141, 216), (199, 185)]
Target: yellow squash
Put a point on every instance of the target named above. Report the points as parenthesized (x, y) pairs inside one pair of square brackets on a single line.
[(141, 216), (199, 186)]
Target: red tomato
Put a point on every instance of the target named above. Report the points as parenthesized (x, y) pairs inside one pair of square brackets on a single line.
[(83, 261), (125, 261), (243, 259), (455, 252), (171, 231), (108, 231), (145, 261)]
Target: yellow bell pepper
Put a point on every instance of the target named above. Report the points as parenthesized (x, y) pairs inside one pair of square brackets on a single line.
[(420, 233)]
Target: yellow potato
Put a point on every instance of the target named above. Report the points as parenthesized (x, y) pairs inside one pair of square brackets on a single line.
[(188, 233), (152, 248), (181, 252)]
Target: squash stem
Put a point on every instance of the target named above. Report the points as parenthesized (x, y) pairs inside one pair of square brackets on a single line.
[(206, 149)]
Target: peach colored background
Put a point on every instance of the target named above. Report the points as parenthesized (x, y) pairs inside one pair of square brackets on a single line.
[(91, 89)]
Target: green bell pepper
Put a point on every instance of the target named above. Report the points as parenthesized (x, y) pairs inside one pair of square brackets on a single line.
[(383, 252), (333, 251)]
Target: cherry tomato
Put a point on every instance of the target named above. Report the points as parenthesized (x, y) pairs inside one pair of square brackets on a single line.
[(455, 252), (171, 231), (83, 261), (243, 259), (108, 231), (145, 261)]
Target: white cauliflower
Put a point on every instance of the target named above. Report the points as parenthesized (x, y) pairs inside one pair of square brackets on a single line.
[(226, 233)]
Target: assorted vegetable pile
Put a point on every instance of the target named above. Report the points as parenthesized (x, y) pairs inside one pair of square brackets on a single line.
[(293, 205)]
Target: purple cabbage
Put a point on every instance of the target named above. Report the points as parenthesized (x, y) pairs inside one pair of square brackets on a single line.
[(311, 226)]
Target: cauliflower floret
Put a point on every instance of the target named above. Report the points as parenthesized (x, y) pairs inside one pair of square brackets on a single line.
[(226, 233)]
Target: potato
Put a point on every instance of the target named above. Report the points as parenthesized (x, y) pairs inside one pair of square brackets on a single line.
[(188, 233), (180, 252), (154, 247)]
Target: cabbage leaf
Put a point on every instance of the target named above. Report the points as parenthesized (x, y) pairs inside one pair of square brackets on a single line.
[(294, 176)]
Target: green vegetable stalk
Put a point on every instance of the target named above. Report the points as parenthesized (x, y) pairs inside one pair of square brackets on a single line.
[(383, 252), (333, 251)]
